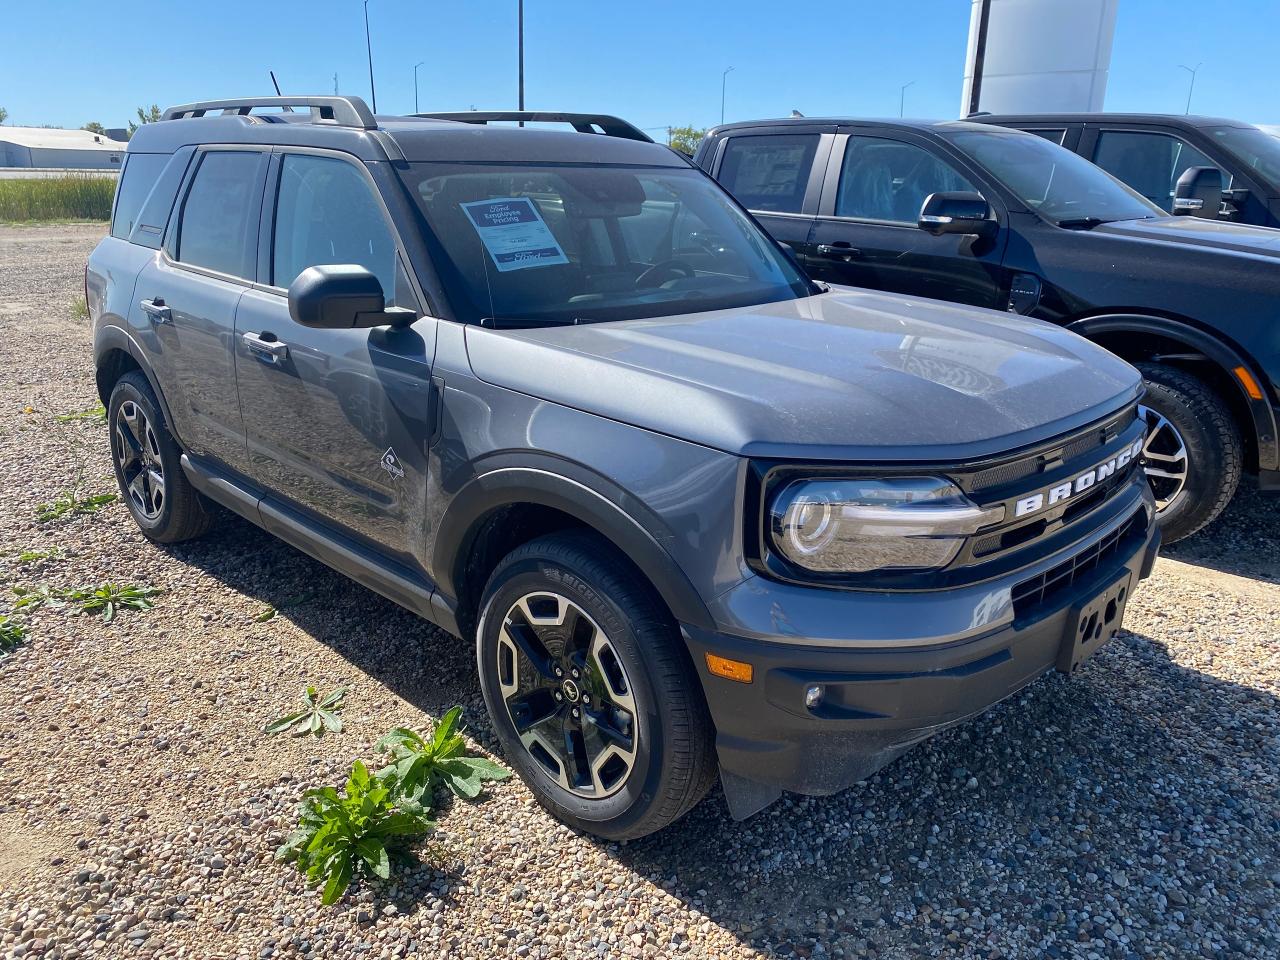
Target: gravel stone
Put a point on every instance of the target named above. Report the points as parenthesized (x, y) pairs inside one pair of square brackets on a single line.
[(1131, 811)]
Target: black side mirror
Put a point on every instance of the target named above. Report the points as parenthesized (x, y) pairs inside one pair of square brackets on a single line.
[(342, 296), (957, 212), (1198, 193)]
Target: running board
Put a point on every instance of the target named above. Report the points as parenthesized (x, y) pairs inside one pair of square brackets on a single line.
[(348, 557)]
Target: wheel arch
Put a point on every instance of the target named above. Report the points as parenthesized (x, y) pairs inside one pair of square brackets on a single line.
[(1135, 336), (499, 510), (115, 354)]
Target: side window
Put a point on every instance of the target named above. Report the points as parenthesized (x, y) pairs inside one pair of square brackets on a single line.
[(889, 180), (136, 180), (769, 173), (1053, 136), (1150, 163), (215, 231), (326, 213)]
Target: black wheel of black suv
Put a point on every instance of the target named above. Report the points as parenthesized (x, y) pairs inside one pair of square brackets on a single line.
[(590, 689), (164, 504), (1192, 454)]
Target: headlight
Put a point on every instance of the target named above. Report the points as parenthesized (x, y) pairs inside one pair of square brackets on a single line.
[(840, 525)]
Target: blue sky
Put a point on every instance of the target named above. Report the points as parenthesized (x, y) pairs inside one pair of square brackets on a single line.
[(655, 62)]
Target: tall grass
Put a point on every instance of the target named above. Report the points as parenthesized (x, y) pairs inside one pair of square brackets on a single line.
[(76, 196)]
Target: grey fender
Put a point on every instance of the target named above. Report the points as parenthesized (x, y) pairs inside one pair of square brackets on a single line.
[(110, 337), (1225, 355), (588, 498)]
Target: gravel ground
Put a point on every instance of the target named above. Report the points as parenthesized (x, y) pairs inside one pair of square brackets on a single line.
[(1132, 811)]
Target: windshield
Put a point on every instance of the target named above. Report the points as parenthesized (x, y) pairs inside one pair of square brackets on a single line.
[(1259, 151), (1056, 183), (549, 244)]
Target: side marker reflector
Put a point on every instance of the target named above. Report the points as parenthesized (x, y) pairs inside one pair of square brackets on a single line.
[(730, 669), (1246, 380)]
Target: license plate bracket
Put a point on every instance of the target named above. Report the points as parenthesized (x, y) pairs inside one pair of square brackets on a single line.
[(1093, 622)]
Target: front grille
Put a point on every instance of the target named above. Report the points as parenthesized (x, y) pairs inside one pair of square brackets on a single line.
[(1029, 595)]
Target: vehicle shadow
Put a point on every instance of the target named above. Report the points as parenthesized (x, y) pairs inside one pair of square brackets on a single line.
[(1083, 806), (1244, 540)]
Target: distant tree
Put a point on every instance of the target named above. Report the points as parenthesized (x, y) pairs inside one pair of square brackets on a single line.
[(4, 114), (145, 115), (93, 126), (685, 139)]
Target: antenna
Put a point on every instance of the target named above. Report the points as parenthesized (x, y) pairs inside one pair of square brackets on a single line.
[(335, 84), (275, 83)]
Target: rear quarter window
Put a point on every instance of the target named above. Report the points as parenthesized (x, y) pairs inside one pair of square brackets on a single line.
[(141, 170), (769, 173)]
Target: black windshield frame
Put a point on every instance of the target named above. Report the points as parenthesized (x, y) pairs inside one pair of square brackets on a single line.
[(473, 281)]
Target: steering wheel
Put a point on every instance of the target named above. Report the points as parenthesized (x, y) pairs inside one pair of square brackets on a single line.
[(652, 276)]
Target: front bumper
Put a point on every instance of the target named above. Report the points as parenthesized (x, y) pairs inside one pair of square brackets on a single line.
[(880, 700)]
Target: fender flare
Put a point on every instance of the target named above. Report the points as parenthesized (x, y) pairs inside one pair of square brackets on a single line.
[(111, 337), (1225, 355), (602, 512)]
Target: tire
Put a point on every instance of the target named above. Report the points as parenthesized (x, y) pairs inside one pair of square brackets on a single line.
[(1180, 407), (638, 653), (140, 442)]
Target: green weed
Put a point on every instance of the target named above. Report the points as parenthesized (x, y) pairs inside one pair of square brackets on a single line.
[(317, 716), (360, 828), (12, 634), (97, 412), (418, 766), (109, 598)]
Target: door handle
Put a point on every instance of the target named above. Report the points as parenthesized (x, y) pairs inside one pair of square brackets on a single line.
[(267, 350), (838, 251), (157, 310)]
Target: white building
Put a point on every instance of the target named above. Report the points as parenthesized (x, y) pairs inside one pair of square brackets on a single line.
[(70, 149)]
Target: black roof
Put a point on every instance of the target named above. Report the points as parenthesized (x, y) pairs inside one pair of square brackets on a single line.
[(942, 126), (345, 123), (1190, 120)]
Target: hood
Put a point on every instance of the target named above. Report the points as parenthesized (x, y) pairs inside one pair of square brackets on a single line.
[(1220, 234), (847, 375)]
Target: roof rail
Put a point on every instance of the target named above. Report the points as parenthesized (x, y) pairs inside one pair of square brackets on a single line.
[(582, 122), (340, 111)]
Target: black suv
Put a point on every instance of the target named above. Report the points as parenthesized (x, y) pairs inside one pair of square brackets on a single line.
[(1159, 156), (1000, 218), (558, 394)]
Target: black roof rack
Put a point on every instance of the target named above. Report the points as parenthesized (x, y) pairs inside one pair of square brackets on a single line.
[(340, 111), (582, 122)]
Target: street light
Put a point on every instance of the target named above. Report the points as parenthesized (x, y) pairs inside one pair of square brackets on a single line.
[(415, 84), (368, 45), (724, 79), (1192, 89), (520, 30), (902, 96)]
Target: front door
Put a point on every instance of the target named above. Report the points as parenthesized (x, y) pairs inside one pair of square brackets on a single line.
[(337, 420), (867, 232), (186, 298)]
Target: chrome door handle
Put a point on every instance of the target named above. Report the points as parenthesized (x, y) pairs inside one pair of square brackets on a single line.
[(157, 310), (268, 351)]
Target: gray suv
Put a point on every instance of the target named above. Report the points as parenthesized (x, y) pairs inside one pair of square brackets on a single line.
[(557, 392)]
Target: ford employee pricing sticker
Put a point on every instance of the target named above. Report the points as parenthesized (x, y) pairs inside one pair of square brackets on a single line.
[(514, 233)]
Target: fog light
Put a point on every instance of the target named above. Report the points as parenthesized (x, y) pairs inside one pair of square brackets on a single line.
[(813, 696)]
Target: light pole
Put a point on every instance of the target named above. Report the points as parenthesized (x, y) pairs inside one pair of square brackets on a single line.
[(724, 79), (368, 46), (1192, 88), (902, 96), (520, 31), (415, 84)]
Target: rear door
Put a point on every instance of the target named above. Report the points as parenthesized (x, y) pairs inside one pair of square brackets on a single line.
[(337, 421), (187, 295), (867, 232), (776, 173)]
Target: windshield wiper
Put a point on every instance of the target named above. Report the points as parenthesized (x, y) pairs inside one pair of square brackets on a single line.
[(1082, 223)]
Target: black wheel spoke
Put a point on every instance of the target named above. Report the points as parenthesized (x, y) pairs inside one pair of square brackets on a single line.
[(529, 710), (614, 726), (526, 639)]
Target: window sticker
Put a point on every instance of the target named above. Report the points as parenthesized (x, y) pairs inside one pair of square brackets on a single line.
[(514, 233)]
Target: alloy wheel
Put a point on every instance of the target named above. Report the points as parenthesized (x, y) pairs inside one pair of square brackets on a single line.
[(567, 694), (1164, 458), (137, 453)]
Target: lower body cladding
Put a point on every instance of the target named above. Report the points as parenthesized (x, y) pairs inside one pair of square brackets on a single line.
[(817, 719)]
